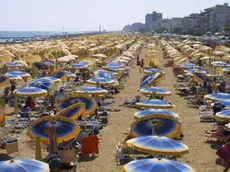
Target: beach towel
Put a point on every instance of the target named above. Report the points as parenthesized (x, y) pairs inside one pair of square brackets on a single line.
[(90, 145)]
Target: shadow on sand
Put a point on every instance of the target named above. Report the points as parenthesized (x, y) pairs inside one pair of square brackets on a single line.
[(5, 157)]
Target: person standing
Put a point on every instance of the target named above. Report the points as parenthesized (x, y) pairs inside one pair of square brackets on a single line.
[(141, 65)]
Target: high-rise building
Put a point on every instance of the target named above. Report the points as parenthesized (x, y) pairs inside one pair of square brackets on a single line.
[(148, 20), (151, 19)]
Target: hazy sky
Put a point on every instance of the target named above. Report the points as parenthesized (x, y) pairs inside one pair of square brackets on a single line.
[(85, 15)]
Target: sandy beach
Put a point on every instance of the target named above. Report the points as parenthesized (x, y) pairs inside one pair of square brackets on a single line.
[(201, 157)]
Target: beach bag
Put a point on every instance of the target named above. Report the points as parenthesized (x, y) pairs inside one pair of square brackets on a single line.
[(224, 153)]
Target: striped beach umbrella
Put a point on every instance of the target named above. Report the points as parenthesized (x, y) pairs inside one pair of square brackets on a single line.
[(13, 64), (158, 145), (101, 81), (201, 77), (92, 90), (23, 165), (90, 104), (151, 71), (46, 84), (31, 91), (157, 90), (187, 65), (150, 112), (70, 74), (48, 63), (81, 65), (156, 164), (218, 97), (66, 129), (40, 66), (223, 115), (150, 80), (105, 74), (19, 73), (155, 103), (13, 76), (55, 80), (60, 75), (166, 126)]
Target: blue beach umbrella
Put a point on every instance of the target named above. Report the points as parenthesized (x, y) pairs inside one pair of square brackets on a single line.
[(223, 115), (218, 96), (151, 71), (4, 80), (46, 84), (73, 112), (201, 77), (70, 74), (150, 80), (81, 65), (55, 80), (157, 90), (23, 165), (66, 129), (13, 76), (40, 66), (19, 73), (156, 165), (13, 64), (101, 81), (92, 90), (105, 74), (167, 126), (219, 64), (158, 145), (31, 91), (48, 63), (150, 112), (90, 104), (60, 75), (155, 103), (192, 71), (187, 65)]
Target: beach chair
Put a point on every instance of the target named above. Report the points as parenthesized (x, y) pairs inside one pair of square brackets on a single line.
[(195, 101), (218, 136), (123, 154)]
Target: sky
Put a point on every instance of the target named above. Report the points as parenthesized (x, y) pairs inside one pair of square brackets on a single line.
[(87, 15)]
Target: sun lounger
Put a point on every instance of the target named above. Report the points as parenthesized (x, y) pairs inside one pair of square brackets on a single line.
[(123, 155), (218, 136)]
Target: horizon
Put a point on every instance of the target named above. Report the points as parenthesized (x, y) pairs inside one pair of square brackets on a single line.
[(86, 16)]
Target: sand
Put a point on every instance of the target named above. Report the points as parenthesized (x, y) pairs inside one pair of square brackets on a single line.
[(202, 156)]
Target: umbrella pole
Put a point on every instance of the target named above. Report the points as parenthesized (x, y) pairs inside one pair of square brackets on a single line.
[(38, 155), (16, 109)]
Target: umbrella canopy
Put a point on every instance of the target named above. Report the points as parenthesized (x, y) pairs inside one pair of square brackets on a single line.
[(23, 165), (157, 90), (151, 71), (2, 113), (152, 165), (99, 56), (66, 129), (225, 103), (92, 90), (73, 112), (19, 73), (150, 112), (155, 103), (31, 91), (101, 81), (223, 115), (105, 74), (191, 71), (13, 64), (158, 145), (218, 96), (81, 65), (167, 126), (187, 65), (90, 103), (226, 69), (55, 80), (60, 75), (40, 66), (70, 74), (201, 77), (46, 84), (48, 63), (150, 80), (219, 64), (4, 80), (13, 76)]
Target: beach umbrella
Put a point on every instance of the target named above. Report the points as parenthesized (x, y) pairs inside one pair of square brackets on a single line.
[(92, 90), (48, 63), (187, 65), (70, 74), (226, 69), (156, 165), (150, 112), (60, 75), (223, 115), (55, 80), (101, 81), (157, 90), (40, 66), (81, 65), (13, 76), (158, 145), (201, 77), (219, 64), (218, 97), (2, 114), (46, 84), (150, 80), (154, 103), (151, 71), (73, 112), (66, 129), (226, 103), (4, 80), (105, 74), (166, 126), (191, 71), (24, 64), (90, 104), (100, 56), (13, 64), (23, 165), (19, 73), (31, 91)]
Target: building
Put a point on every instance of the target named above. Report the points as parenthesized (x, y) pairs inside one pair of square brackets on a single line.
[(190, 23), (163, 25), (175, 24), (135, 27), (217, 18), (151, 19)]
